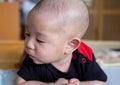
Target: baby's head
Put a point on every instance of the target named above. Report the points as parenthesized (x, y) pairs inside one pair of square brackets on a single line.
[(55, 27), (71, 15)]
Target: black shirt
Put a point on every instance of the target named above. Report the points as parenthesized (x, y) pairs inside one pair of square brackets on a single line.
[(83, 67)]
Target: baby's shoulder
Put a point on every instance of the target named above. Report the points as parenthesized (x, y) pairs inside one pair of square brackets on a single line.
[(84, 51)]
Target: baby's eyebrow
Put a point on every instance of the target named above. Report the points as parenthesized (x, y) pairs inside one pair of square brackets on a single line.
[(41, 35)]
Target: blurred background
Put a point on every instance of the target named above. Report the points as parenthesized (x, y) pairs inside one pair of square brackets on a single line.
[(103, 36)]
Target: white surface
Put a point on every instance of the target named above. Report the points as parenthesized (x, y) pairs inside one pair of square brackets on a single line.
[(7, 77), (113, 74)]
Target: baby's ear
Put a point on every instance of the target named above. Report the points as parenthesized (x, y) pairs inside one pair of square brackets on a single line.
[(73, 45)]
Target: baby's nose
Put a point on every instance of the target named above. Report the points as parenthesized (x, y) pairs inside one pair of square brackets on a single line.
[(30, 44)]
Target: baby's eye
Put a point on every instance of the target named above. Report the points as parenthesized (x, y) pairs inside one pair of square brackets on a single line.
[(27, 35), (40, 41)]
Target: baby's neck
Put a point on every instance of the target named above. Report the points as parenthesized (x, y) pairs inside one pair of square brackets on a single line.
[(64, 65)]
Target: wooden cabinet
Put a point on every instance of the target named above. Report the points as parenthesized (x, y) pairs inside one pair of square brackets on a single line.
[(9, 21), (104, 20), (10, 53)]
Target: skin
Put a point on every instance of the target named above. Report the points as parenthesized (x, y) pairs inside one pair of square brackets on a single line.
[(54, 29)]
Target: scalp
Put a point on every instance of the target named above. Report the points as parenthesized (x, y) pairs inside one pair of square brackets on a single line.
[(73, 14)]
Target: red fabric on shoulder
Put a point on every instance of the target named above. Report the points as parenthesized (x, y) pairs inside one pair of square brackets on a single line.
[(85, 50)]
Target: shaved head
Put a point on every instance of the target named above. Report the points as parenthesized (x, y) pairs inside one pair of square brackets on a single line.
[(72, 15)]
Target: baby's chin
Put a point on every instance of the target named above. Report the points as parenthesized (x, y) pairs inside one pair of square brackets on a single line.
[(37, 62)]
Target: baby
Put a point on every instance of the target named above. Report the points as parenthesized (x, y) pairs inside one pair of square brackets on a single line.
[(55, 54)]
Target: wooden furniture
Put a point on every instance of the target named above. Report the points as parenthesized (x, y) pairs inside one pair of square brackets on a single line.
[(9, 21), (10, 54), (104, 20)]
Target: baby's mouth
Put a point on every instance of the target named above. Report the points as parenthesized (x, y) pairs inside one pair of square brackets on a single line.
[(32, 57)]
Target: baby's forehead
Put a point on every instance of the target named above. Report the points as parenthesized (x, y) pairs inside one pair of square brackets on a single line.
[(44, 20), (45, 17)]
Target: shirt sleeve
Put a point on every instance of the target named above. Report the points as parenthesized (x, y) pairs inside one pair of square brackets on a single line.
[(27, 69), (92, 71)]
